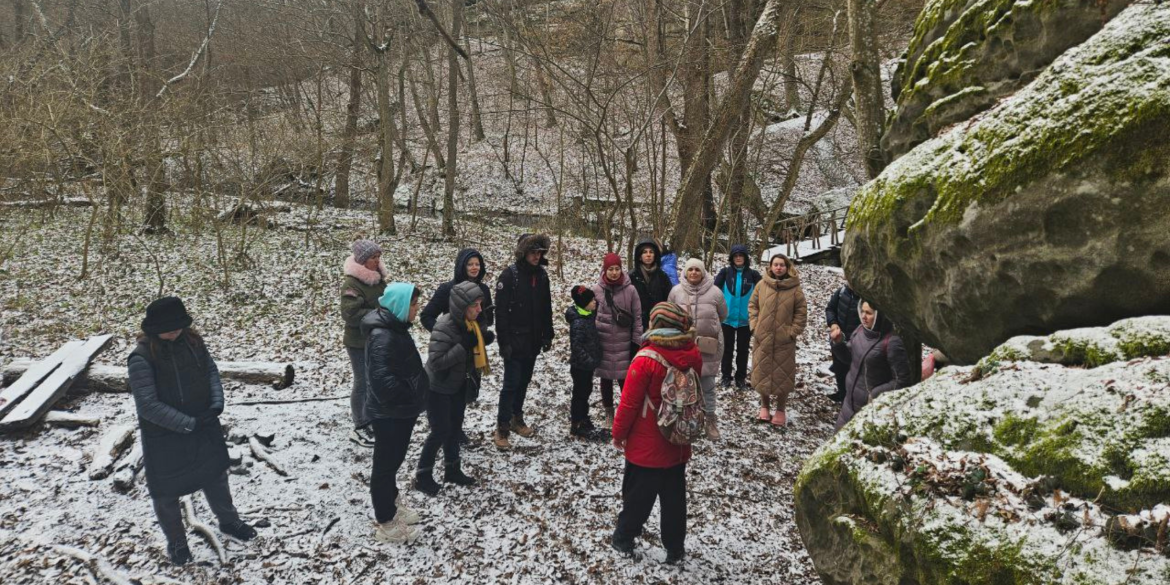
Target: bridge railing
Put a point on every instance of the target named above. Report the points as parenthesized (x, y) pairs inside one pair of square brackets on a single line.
[(822, 229)]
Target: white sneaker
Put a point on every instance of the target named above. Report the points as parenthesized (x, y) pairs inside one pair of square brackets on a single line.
[(406, 515), (396, 532), (362, 437)]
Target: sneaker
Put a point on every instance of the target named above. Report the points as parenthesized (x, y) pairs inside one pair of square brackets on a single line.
[(404, 514), (179, 554), (674, 557), (424, 483), (780, 419), (395, 532), (626, 547), (519, 427), (362, 437), (239, 530), (454, 474), (500, 438)]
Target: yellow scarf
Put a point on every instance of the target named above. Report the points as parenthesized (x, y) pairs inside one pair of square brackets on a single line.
[(481, 363)]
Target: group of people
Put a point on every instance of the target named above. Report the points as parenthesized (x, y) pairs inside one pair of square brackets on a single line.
[(636, 330)]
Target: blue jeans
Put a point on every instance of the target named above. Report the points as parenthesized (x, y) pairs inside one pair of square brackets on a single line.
[(517, 376)]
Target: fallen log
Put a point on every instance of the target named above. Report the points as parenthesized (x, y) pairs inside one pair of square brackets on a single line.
[(128, 469), (41, 203), (113, 443), (45, 394), (60, 418), (107, 378)]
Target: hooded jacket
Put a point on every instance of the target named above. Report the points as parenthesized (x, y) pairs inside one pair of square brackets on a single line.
[(737, 285), (616, 341), (844, 309), (360, 290), (653, 290), (449, 357), (707, 308), (524, 301), (584, 340), (397, 382), (441, 299), (777, 314), (645, 445), (877, 362)]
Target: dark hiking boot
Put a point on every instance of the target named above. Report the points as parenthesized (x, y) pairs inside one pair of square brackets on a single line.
[(425, 483), (674, 557), (725, 382), (179, 554), (626, 547), (239, 530), (521, 428), (454, 474), (741, 385)]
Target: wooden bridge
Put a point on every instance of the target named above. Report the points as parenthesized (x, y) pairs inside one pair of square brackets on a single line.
[(809, 237)]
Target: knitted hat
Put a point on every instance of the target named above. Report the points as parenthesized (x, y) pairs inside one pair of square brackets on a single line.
[(669, 316), (611, 259), (165, 314), (364, 250), (694, 263), (582, 296)]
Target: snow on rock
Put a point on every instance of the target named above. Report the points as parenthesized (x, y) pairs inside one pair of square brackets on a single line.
[(1021, 472)]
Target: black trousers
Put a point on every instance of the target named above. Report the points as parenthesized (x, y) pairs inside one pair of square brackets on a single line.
[(737, 343), (391, 440), (840, 371), (606, 386), (445, 414), (219, 499), (582, 389), (517, 376), (640, 487)]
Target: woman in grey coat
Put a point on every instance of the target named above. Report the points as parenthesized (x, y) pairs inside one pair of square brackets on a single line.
[(620, 325), (876, 359), (697, 295)]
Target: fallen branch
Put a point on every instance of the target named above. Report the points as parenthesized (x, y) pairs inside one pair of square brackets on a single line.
[(262, 454), (111, 446), (289, 401), (203, 529), (128, 469), (100, 566), (61, 418), (39, 203)]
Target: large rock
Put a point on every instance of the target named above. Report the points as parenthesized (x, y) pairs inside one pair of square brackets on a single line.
[(1006, 472), (967, 54), (1050, 211)]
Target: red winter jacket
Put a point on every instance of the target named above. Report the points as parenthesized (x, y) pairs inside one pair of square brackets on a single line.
[(645, 445)]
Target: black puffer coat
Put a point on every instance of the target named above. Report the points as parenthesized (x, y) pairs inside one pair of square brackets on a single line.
[(440, 301), (397, 382), (449, 357), (843, 310), (584, 340), (173, 385), (524, 319), (657, 288)]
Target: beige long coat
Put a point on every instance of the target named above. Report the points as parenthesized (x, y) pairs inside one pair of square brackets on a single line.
[(777, 315)]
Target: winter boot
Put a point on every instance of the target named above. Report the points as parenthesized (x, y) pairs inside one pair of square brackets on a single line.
[(595, 434), (425, 483), (741, 385), (725, 382), (179, 553), (609, 417), (674, 557), (712, 428), (462, 438), (396, 532), (520, 428), (626, 547), (577, 429), (453, 473), (500, 438), (238, 529)]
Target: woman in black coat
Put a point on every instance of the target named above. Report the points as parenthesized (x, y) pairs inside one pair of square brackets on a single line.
[(398, 386), (178, 397)]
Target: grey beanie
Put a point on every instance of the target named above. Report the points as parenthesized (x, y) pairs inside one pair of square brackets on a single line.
[(364, 250)]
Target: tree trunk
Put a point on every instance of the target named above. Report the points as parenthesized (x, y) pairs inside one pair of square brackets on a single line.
[(865, 68), (18, 13), (452, 122), (737, 33), (698, 174), (352, 109), (788, 61), (695, 75), (428, 131), (473, 91)]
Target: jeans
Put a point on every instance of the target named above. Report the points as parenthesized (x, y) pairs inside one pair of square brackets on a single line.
[(357, 395), (517, 376), (582, 389), (445, 414), (737, 343), (219, 499), (392, 438), (640, 487)]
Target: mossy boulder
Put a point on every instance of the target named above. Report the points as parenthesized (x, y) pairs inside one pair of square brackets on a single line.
[(1003, 475), (967, 54), (1050, 211)]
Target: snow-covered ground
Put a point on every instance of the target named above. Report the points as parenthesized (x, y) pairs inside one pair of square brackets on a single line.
[(542, 513)]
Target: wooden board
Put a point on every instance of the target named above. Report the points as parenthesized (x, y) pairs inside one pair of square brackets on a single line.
[(40, 400), (13, 394), (107, 378)]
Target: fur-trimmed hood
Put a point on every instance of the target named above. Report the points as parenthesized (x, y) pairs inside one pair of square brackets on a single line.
[(528, 242), (363, 274)]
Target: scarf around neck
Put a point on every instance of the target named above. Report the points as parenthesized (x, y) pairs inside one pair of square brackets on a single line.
[(481, 363)]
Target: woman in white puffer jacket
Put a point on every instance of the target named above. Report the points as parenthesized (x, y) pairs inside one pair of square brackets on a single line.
[(697, 295)]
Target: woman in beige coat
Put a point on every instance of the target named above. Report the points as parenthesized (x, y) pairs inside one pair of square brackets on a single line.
[(697, 295), (777, 315)]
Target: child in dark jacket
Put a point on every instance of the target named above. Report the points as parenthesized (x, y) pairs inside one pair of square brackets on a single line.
[(584, 357), (398, 385)]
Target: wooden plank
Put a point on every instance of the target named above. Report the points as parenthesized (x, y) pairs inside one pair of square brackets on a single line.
[(33, 376), (107, 378), (40, 400)]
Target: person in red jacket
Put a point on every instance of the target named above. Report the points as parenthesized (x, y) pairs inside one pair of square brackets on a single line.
[(655, 468)]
